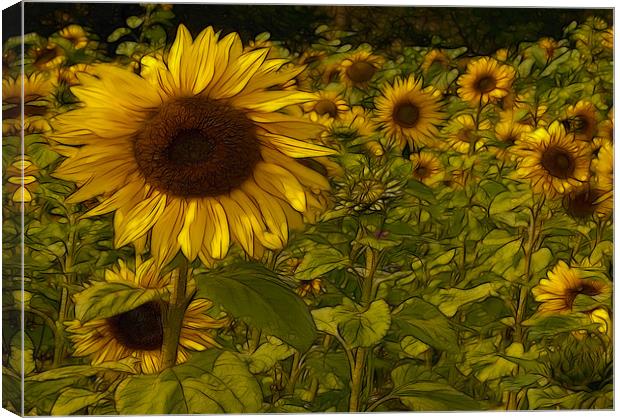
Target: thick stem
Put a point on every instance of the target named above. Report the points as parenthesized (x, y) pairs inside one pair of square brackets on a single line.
[(174, 316), (295, 372), (356, 380)]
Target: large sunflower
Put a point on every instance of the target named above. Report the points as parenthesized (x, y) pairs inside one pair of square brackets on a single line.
[(409, 112), (139, 332), (553, 160), (485, 80), (563, 284), (195, 149)]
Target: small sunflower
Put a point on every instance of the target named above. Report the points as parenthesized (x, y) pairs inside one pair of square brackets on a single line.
[(353, 124), (203, 156), (139, 332), (31, 125), (606, 128), (485, 80), (328, 103), (435, 57), (37, 87), (563, 284), (603, 167), (312, 287), (410, 113), (553, 161), (582, 120), (588, 202), (508, 132), (462, 133), (427, 168), (47, 57), (549, 45), (357, 69), (76, 35)]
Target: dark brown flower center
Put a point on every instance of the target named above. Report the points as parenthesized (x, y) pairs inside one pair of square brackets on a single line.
[(486, 84), (558, 162), (361, 72), (326, 107), (139, 329), (582, 204), (585, 287), (46, 55), (421, 171), (406, 114), (196, 147), (466, 135)]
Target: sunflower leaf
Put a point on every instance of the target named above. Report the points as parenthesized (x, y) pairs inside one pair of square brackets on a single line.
[(196, 387), (255, 295), (73, 399), (104, 300)]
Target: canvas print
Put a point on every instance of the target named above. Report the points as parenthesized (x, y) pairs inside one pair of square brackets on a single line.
[(270, 209)]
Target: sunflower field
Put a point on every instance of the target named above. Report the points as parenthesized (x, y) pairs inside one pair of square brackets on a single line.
[(200, 222)]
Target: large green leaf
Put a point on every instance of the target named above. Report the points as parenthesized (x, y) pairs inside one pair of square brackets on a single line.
[(73, 399), (192, 388), (450, 300), (268, 354), (103, 299), (319, 261), (358, 326), (424, 321), (254, 294)]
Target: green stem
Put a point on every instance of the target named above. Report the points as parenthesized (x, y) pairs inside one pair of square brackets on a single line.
[(356, 379), (174, 316), (295, 372)]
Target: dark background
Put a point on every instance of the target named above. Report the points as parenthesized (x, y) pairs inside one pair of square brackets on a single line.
[(482, 30)]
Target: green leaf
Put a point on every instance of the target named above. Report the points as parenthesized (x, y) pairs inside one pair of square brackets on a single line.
[(553, 397), (122, 366), (504, 257), (268, 354), (541, 325), (118, 33), (433, 396), (450, 300), (509, 201), (424, 321), (73, 399), (126, 48), (134, 21), (421, 191), (251, 292), (365, 328), (104, 300), (320, 261), (192, 388)]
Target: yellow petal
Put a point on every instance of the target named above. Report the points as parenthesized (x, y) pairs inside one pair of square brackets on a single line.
[(140, 219)]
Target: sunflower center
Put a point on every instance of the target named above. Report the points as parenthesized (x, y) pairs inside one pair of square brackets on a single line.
[(585, 287), (140, 328), (326, 107), (466, 135), (421, 171), (196, 147), (46, 56), (361, 72), (558, 162), (406, 114), (582, 204), (486, 84)]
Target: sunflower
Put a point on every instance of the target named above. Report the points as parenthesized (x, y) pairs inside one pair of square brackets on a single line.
[(139, 332), (31, 125), (589, 201), (508, 132), (606, 128), (485, 80), (553, 161), (563, 284), (603, 166), (328, 103), (352, 124), (202, 156), (408, 112), (76, 35), (69, 75), (312, 287), (46, 57), (463, 135), (426, 168), (37, 87), (357, 69), (582, 120), (435, 57)]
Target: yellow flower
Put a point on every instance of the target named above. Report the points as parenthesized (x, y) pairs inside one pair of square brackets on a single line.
[(139, 332), (69, 75), (31, 125), (427, 168), (47, 57), (606, 128), (357, 69), (607, 38), (582, 120), (549, 45), (327, 103), (563, 284), (435, 57), (409, 113), (314, 287), (353, 124), (462, 134), (553, 161), (601, 316), (508, 131), (485, 80), (603, 167), (589, 201), (76, 35), (195, 150)]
